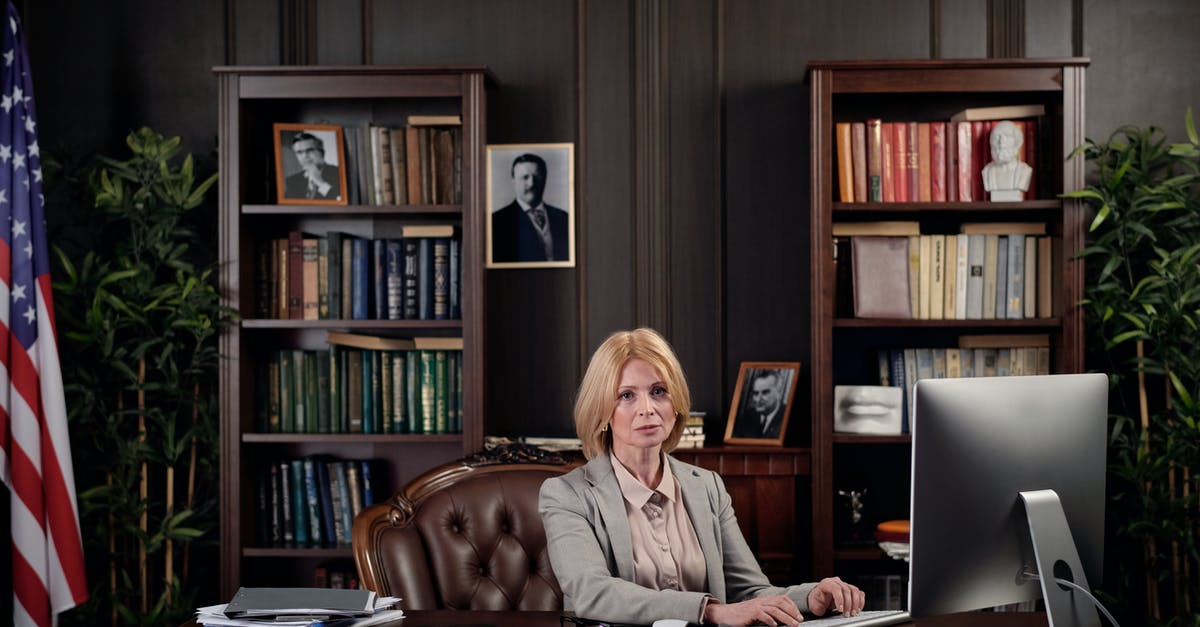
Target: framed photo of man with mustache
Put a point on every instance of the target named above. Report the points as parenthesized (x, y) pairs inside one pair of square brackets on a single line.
[(530, 205), (309, 164)]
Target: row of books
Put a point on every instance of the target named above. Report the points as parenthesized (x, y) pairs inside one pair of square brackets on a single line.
[(990, 270), (363, 384), (420, 163), (337, 276), (928, 161), (999, 355), (336, 574), (693, 431), (312, 501)]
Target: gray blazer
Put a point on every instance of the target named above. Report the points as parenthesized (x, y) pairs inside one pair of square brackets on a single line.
[(590, 546)]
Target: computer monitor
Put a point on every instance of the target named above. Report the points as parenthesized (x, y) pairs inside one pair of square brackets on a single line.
[(982, 448)]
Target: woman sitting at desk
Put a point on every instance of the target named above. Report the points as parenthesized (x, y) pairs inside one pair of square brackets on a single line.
[(636, 535)]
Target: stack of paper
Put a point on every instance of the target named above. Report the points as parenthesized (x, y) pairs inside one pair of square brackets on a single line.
[(300, 607)]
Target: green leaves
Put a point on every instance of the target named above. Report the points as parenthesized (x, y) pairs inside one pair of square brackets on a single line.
[(1143, 293)]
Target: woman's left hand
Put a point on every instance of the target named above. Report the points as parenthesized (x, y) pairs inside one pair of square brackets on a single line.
[(833, 593)]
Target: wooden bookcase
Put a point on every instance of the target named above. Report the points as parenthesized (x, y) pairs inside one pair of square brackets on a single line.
[(252, 99), (844, 347)]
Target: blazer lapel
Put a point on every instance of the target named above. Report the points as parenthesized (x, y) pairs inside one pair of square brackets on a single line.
[(704, 521), (615, 523)]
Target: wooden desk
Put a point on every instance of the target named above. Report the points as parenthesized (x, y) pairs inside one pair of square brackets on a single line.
[(452, 618)]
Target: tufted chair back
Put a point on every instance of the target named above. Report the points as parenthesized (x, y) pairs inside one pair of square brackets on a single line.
[(464, 536)]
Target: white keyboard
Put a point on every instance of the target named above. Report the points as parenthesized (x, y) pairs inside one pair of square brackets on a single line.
[(870, 618)]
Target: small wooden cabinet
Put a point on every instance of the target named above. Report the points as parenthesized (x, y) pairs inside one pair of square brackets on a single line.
[(844, 347)]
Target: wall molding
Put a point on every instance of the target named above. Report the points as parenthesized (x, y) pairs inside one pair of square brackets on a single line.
[(651, 165), (1006, 29)]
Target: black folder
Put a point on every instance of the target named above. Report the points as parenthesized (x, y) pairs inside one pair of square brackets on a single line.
[(273, 602)]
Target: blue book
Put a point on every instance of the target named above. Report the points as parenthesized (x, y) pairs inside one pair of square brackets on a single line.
[(425, 279), (896, 379), (412, 252), (379, 279), (360, 276), (368, 487), (343, 486), (312, 502), (455, 279), (334, 279), (395, 279)]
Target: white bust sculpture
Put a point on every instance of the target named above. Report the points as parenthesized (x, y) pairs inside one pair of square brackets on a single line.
[(1006, 176)]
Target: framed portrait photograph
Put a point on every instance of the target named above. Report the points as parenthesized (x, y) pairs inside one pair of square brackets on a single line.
[(762, 402), (309, 164), (531, 206)]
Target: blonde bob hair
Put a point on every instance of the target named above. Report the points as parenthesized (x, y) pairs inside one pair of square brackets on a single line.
[(597, 397)]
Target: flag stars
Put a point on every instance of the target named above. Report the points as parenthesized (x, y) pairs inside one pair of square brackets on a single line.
[(18, 228), (29, 124), (8, 57), (30, 314), (3, 197), (5, 153), (18, 293), (37, 175), (6, 102), (18, 161), (17, 94), (28, 250), (34, 150)]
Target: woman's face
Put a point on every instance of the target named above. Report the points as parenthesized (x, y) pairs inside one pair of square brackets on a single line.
[(644, 415)]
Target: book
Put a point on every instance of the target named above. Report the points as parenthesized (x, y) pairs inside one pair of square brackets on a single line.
[(441, 278), (360, 278), (286, 510), (1030, 296), (435, 120), (966, 144), (354, 389), (962, 272), (1003, 340), (912, 161), (887, 147), (441, 400), (399, 175), (314, 513), (428, 230), (952, 161), (924, 278), (874, 153), (937, 162), (323, 278), (937, 277), (299, 502), (1015, 294), (950, 293), (1004, 228), (1002, 112), (900, 159), (412, 164), (924, 162), (976, 250), (378, 279), (310, 271), (347, 280), (424, 278), (880, 272), (382, 143), (295, 275), (845, 162), (394, 278), (858, 154), (888, 228), (428, 391), (914, 273), (990, 256), (1001, 277), (1045, 270)]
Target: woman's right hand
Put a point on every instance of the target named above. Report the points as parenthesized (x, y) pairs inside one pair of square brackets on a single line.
[(771, 611)]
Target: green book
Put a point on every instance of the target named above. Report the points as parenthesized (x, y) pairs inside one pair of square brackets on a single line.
[(262, 397), (334, 274), (441, 395), (312, 393), (334, 391), (386, 425), (368, 393), (299, 503), (412, 391), (323, 372), (354, 400), (287, 398), (428, 392), (399, 398), (452, 359), (300, 417), (377, 392), (273, 392)]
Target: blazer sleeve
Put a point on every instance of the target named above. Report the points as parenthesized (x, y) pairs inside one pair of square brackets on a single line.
[(744, 578), (589, 587)]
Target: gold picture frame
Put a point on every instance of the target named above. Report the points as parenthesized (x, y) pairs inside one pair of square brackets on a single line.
[(322, 143), (762, 402)]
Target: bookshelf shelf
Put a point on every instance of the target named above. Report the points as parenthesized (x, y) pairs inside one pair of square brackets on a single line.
[(915, 97), (990, 324), (298, 210), (381, 325), (357, 466)]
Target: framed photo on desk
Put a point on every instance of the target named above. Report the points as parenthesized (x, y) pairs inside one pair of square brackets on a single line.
[(309, 164), (762, 402)]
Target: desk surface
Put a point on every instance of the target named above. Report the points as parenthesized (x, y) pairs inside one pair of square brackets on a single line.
[(452, 618)]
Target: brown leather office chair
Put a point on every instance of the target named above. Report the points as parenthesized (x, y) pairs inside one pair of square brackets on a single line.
[(465, 535)]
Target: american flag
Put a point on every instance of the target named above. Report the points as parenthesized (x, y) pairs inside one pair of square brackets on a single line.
[(35, 450)]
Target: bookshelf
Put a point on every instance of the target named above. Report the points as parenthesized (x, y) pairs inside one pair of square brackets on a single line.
[(844, 347), (252, 100)]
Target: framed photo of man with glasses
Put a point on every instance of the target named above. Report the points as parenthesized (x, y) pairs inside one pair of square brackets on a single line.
[(531, 206), (309, 164), (762, 402)]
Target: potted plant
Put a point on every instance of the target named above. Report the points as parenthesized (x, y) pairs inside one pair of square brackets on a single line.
[(1143, 305), (139, 318)]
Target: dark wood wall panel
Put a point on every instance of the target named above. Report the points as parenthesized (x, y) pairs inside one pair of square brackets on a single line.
[(532, 315), (605, 184), (693, 188), (1143, 65), (339, 32), (963, 28), (254, 28), (1048, 28)]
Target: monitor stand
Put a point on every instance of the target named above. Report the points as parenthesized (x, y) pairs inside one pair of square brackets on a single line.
[(1054, 549)]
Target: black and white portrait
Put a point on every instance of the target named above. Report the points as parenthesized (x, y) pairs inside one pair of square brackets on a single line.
[(309, 165), (531, 216), (762, 402)]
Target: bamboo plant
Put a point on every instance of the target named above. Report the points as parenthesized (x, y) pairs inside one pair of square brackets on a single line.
[(1143, 304), (139, 320)]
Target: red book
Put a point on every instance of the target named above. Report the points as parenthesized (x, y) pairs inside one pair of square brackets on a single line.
[(952, 161), (966, 146), (981, 154), (912, 161), (937, 161), (924, 165), (887, 144), (874, 131), (900, 163)]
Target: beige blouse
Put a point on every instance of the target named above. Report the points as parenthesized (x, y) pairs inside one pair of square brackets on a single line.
[(666, 552)]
